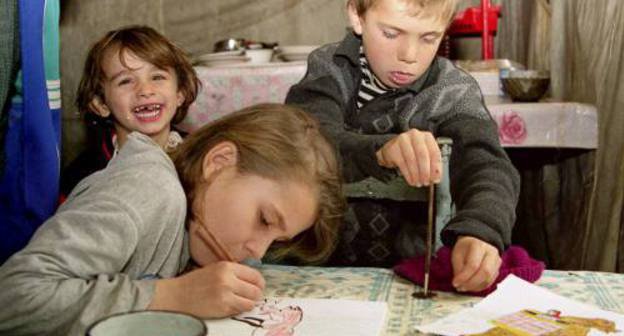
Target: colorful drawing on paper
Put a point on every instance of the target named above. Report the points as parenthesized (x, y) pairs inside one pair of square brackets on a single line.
[(524, 309), (304, 317), (552, 323), (271, 318)]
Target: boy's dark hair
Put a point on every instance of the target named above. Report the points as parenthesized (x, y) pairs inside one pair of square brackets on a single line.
[(150, 46)]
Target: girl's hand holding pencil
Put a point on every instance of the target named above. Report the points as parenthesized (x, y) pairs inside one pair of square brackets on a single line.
[(218, 289)]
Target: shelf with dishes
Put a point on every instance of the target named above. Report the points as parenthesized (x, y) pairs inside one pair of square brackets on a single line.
[(255, 56)]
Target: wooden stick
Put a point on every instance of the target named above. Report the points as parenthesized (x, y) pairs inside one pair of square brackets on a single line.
[(213, 243), (430, 233), (426, 294)]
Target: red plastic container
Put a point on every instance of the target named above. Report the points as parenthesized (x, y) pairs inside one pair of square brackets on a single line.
[(472, 22)]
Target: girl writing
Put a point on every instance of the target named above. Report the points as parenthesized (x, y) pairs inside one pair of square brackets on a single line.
[(126, 235)]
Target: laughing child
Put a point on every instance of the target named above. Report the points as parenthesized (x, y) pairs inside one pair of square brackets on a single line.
[(134, 79)]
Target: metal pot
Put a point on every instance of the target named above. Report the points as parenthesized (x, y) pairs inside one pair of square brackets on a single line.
[(230, 44)]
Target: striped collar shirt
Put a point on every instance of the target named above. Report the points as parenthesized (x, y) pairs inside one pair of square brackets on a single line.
[(370, 86)]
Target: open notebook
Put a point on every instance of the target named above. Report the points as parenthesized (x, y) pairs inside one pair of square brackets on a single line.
[(301, 317)]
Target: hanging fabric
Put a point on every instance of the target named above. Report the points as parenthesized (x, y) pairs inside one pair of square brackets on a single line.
[(29, 183), (9, 60)]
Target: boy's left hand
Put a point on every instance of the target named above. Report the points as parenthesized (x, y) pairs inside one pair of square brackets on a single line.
[(475, 264)]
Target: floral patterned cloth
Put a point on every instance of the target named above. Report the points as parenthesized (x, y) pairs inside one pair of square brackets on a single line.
[(227, 89), (543, 124), (604, 290), (560, 125)]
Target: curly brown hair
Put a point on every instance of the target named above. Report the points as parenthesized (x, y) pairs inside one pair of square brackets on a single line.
[(278, 142), (147, 44)]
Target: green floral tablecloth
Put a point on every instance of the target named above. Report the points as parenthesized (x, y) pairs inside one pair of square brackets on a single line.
[(604, 290)]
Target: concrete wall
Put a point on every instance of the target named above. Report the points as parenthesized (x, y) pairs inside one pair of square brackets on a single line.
[(195, 25)]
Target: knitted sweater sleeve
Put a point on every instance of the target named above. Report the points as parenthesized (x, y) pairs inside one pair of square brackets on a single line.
[(325, 92), (73, 271), (484, 184)]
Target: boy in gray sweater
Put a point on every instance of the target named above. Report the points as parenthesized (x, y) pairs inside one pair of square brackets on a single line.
[(383, 96)]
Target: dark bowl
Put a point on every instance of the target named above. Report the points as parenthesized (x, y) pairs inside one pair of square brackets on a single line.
[(525, 85)]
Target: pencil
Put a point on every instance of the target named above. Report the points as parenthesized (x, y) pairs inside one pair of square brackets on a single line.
[(213, 243)]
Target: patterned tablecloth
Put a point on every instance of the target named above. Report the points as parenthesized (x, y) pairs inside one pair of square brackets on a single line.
[(604, 290), (227, 89), (543, 124)]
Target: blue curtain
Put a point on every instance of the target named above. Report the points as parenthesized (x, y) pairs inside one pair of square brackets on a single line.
[(30, 181)]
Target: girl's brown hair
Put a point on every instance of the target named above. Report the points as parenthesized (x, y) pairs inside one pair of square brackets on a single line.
[(147, 44), (282, 143)]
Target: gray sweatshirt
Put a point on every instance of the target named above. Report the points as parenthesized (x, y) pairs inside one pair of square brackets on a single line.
[(118, 227)]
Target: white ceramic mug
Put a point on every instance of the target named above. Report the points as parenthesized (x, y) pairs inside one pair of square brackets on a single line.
[(149, 322)]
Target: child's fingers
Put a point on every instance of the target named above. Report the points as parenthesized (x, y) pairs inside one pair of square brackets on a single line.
[(466, 259), (243, 289), (465, 264), (381, 159), (415, 154), (421, 160), (484, 276), (247, 291), (435, 158), (229, 304), (249, 275), (408, 160), (391, 156), (241, 304), (470, 257)]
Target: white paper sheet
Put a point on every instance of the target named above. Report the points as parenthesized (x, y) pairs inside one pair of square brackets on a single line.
[(316, 317), (511, 296)]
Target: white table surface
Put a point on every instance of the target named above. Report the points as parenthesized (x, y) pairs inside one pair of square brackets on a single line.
[(525, 125)]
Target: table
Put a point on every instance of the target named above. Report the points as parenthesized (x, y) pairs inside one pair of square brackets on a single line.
[(546, 125), (527, 125), (227, 89), (604, 290)]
